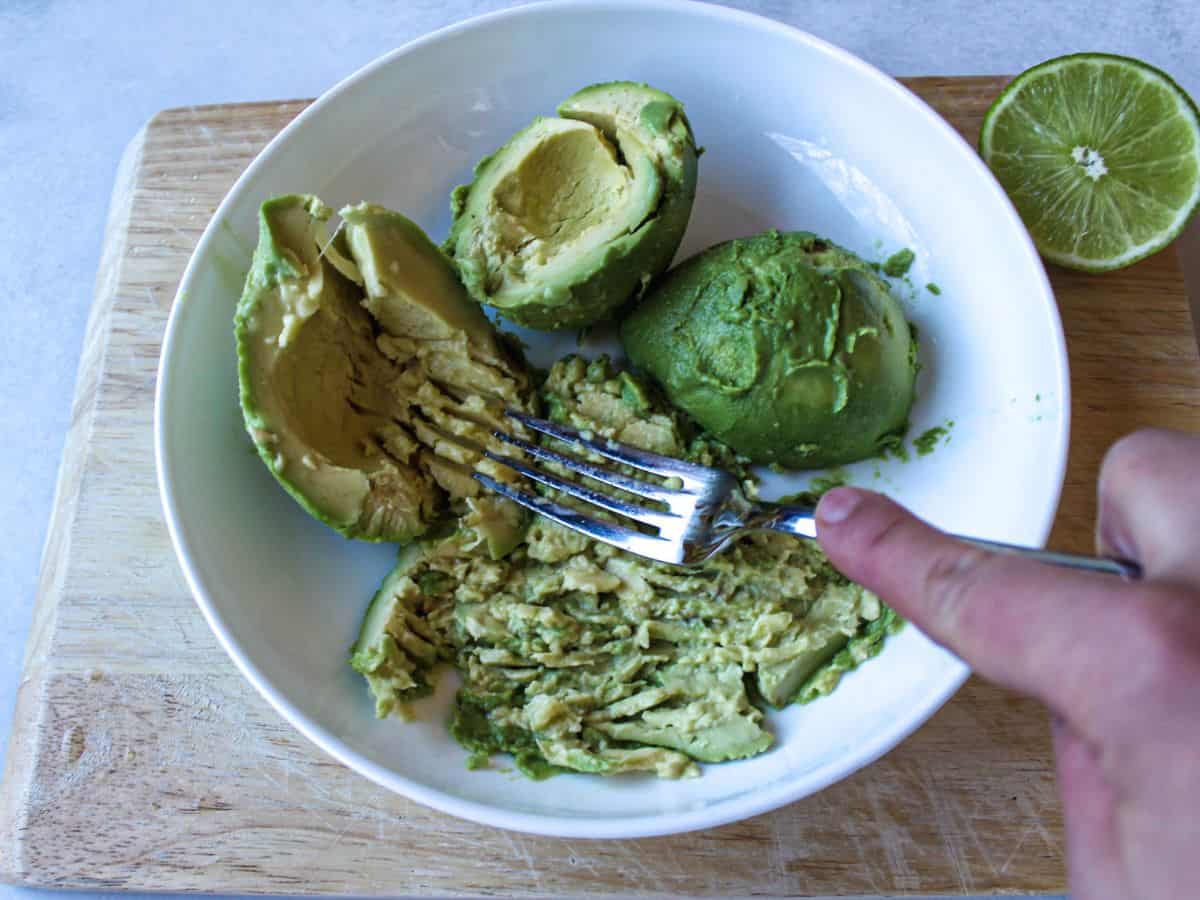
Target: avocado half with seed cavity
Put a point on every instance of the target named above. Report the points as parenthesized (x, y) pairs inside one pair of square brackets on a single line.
[(575, 215), (357, 358), (787, 347)]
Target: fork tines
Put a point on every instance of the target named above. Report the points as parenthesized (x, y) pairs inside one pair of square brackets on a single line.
[(679, 502), (690, 474)]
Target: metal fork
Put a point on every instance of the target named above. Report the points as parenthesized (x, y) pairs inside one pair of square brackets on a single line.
[(691, 522)]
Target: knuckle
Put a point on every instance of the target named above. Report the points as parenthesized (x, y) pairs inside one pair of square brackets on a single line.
[(948, 582), (884, 532)]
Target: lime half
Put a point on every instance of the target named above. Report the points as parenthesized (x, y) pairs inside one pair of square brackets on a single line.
[(1100, 155)]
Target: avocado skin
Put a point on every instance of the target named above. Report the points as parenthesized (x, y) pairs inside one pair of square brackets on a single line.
[(783, 345), (606, 277)]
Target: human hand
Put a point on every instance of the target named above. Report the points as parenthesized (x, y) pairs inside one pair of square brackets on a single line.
[(1117, 662)]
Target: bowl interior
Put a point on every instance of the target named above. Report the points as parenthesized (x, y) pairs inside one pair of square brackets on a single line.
[(797, 135)]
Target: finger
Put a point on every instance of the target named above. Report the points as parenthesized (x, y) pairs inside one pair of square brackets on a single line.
[(1024, 624), (1094, 866), (1149, 503)]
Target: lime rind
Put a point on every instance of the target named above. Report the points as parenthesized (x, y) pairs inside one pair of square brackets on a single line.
[(1152, 133)]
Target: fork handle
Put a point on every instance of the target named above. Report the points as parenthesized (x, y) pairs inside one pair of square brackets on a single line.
[(1126, 568), (800, 521)]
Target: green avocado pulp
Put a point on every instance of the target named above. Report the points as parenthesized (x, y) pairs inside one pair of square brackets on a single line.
[(898, 264), (785, 346), (565, 187), (576, 656)]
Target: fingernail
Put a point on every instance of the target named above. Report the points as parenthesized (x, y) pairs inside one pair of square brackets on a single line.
[(838, 505)]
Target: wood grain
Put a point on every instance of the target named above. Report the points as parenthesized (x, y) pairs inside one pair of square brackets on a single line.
[(141, 760)]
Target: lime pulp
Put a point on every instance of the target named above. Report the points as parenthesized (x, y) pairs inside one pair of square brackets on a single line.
[(1100, 154)]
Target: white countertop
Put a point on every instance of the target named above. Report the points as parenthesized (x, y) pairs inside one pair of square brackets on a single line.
[(80, 79)]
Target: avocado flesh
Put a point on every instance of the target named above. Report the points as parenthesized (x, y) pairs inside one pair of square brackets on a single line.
[(310, 379), (349, 390), (396, 650), (830, 626), (655, 116), (710, 717), (411, 290), (780, 683), (785, 346), (575, 215), (453, 377), (576, 656)]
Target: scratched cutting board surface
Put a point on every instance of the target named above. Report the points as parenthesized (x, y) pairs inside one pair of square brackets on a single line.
[(141, 760)]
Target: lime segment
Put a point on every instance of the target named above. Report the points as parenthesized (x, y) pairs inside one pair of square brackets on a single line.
[(1100, 154)]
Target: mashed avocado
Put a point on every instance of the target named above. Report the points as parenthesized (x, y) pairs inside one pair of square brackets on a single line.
[(785, 346), (577, 656)]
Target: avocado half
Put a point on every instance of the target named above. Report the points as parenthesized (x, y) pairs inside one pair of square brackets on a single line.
[(575, 215), (787, 347), (357, 358)]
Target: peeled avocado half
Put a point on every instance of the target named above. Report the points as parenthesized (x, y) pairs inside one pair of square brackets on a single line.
[(785, 346), (576, 215), (356, 358)]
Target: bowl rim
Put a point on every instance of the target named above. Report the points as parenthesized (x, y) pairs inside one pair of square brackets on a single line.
[(722, 812)]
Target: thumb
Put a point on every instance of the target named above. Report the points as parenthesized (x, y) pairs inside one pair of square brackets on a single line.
[(1024, 624), (1149, 503)]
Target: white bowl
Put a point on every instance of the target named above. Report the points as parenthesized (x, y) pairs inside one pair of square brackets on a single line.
[(798, 135)]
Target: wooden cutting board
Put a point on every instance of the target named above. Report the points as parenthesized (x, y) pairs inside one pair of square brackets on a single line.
[(141, 760)]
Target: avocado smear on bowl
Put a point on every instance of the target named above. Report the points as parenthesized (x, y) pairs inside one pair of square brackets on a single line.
[(785, 346), (576, 214), (576, 656), (355, 357)]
